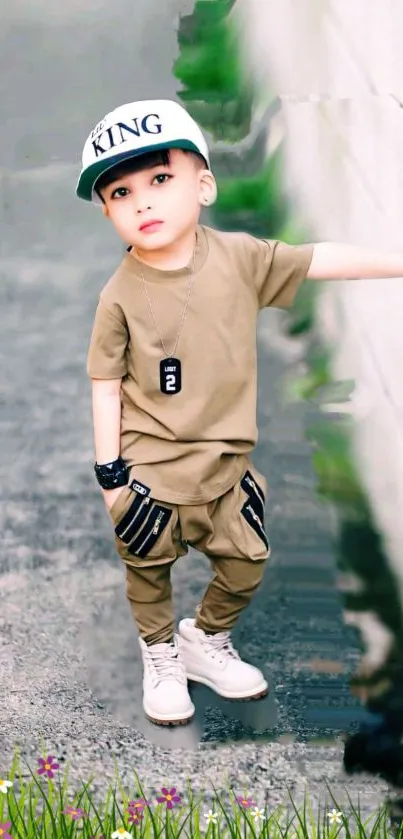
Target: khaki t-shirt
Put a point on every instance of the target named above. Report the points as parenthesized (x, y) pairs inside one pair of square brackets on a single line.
[(190, 447)]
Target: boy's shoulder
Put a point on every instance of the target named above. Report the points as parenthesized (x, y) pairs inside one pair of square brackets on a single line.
[(243, 248), (233, 239), (240, 241)]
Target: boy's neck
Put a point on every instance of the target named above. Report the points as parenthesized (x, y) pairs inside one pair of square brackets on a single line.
[(171, 258)]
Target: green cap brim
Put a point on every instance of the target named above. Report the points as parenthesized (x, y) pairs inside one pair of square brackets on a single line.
[(90, 175)]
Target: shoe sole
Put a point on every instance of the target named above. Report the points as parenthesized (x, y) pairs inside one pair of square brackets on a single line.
[(169, 722), (183, 720), (260, 694)]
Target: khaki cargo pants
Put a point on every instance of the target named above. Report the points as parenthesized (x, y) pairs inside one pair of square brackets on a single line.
[(150, 535)]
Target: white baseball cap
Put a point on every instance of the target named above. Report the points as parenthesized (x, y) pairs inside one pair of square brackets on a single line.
[(134, 129)]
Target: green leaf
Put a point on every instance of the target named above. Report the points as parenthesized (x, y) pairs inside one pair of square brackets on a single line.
[(226, 119), (336, 392), (210, 59), (301, 318)]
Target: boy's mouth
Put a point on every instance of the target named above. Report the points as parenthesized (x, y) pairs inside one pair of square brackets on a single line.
[(150, 226)]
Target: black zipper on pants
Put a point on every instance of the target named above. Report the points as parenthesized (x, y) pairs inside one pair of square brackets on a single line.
[(126, 529), (254, 521), (255, 494), (150, 533)]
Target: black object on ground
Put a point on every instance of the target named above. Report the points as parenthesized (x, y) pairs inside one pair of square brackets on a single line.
[(378, 749)]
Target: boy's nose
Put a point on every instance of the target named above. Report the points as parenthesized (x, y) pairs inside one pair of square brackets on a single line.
[(142, 208)]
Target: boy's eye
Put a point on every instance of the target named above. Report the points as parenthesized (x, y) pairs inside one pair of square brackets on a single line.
[(162, 178), (121, 191)]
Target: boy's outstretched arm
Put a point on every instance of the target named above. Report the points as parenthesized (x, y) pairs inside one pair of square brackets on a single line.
[(334, 261), (106, 412)]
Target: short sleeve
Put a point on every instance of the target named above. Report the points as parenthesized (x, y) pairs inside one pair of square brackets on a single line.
[(106, 357), (279, 269)]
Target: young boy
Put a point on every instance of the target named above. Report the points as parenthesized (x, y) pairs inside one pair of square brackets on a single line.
[(172, 360)]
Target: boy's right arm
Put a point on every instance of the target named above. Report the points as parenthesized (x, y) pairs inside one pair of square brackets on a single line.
[(106, 412), (106, 366)]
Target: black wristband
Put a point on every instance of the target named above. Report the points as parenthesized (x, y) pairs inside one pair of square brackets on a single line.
[(112, 475)]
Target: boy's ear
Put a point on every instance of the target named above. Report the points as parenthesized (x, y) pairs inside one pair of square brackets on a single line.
[(208, 188)]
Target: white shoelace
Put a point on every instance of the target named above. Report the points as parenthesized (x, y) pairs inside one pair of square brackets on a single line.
[(220, 646), (165, 662)]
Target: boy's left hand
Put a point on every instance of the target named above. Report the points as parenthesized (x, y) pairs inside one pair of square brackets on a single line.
[(110, 496)]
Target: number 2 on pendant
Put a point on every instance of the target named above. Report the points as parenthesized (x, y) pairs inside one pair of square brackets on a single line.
[(170, 376)]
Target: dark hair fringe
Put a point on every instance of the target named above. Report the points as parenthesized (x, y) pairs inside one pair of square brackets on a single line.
[(161, 157), (131, 164)]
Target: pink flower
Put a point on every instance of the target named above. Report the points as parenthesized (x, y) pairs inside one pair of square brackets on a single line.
[(169, 798), (140, 804), (47, 766), (75, 813), (245, 802), (3, 830), (135, 817)]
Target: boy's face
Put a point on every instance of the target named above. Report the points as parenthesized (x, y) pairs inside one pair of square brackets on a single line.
[(155, 207)]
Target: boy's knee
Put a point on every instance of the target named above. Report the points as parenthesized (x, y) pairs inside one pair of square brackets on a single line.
[(151, 584), (241, 576)]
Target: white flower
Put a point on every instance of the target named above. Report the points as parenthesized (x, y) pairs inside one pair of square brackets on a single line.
[(121, 833), (335, 817), (5, 785), (211, 818), (257, 814)]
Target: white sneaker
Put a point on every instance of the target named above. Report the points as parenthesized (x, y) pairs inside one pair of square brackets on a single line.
[(212, 661), (166, 698)]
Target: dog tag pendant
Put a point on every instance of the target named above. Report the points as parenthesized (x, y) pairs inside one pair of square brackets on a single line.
[(170, 376)]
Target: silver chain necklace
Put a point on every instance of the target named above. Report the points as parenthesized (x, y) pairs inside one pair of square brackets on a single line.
[(170, 366)]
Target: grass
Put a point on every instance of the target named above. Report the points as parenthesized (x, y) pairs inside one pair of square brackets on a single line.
[(40, 807)]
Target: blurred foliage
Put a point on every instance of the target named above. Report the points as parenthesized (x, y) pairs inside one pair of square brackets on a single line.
[(301, 320), (252, 203), (333, 463), (217, 92)]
